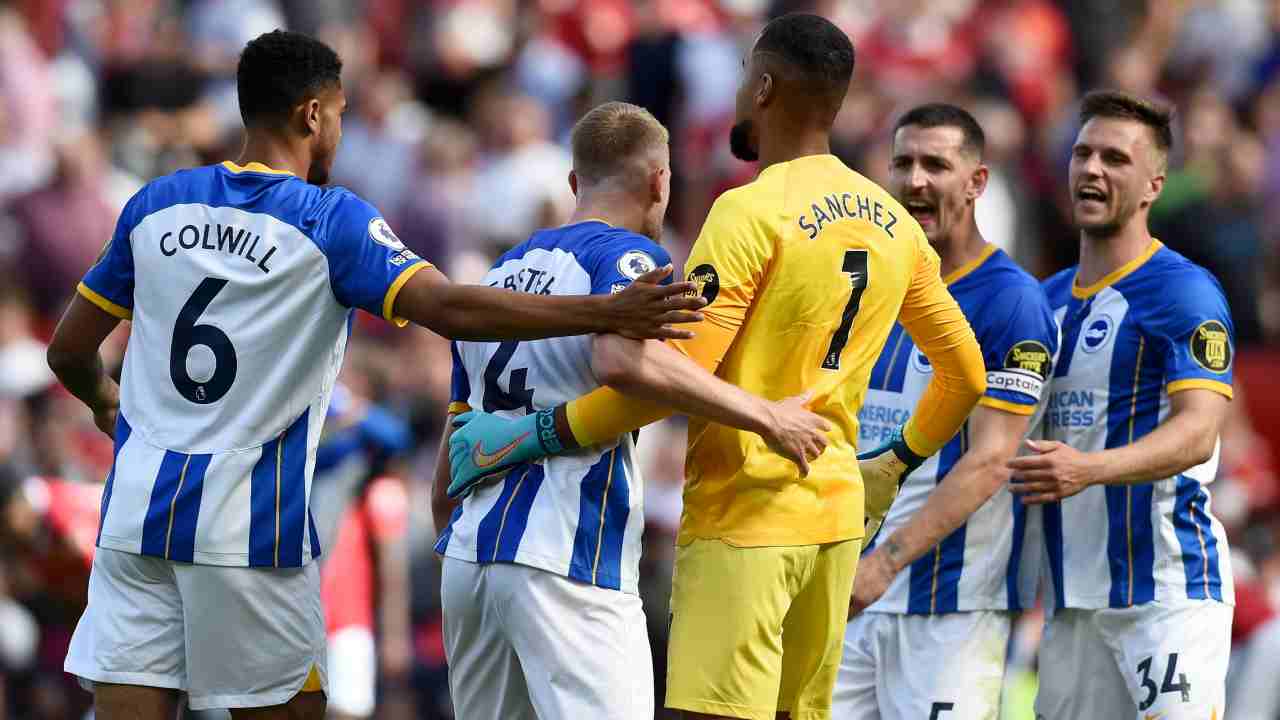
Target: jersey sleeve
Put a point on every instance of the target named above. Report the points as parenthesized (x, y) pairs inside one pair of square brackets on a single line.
[(459, 384), (619, 262), (1019, 341), (727, 263), (939, 328), (368, 265), (1193, 332), (109, 283)]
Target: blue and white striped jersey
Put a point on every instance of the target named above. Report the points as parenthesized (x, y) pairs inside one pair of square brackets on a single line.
[(981, 565), (1158, 325), (579, 514), (240, 283)]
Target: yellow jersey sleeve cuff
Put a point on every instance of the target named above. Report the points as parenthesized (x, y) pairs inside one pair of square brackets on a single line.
[(1199, 384), (1005, 405), (119, 311), (604, 413), (457, 407), (389, 301), (916, 441)]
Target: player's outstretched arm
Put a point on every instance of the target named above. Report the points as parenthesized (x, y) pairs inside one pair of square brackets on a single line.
[(472, 312), (659, 381), (73, 357), (656, 372), (981, 471), (1185, 439)]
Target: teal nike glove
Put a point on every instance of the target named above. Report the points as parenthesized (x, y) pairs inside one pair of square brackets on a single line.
[(485, 445), (884, 469)]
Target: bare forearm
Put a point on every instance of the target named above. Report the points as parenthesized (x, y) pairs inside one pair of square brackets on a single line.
[(85, 378), (969, 484), (468, 312), (1180, 443), (658, 373)]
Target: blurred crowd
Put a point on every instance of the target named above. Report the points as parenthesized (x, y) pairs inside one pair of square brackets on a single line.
[(460, 110)]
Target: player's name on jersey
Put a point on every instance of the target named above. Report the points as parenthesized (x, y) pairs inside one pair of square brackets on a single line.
[(529, 280), (217, 237), (847, 206)]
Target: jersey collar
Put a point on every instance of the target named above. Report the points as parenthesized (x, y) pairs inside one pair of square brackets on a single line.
[(967, 268), (1115, 276), (253, 167)]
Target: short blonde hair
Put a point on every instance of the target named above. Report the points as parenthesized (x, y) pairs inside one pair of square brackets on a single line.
[(610, 136)]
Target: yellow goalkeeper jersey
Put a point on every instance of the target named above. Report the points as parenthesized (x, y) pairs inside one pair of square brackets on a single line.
[(806, 269)]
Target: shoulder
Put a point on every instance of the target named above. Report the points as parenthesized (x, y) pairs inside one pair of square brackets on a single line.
[(626, 253), (1170, 291), (182, 186), (1011, 281), (1169, 281)]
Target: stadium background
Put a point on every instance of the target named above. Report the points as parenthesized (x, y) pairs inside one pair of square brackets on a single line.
[(459, 114)]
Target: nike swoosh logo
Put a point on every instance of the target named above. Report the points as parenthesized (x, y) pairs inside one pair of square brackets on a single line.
[(484, 460)]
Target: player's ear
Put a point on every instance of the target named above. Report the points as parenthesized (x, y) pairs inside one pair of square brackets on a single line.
[(765, 92), (656, 184), (978, 182), (1154, 188), (573, 183), (311, 116)]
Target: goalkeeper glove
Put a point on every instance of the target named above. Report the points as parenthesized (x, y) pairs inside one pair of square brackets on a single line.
[(484, 445), (884, 469)]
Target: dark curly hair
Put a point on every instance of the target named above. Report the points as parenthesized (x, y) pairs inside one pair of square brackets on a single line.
[(819, 54), (280, 69)]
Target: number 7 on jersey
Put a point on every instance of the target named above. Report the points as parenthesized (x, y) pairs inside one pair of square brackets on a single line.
[(855, 266)]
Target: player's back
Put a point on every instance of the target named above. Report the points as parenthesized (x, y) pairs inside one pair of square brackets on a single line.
[(579, 514), (818, 260), (239, 283)]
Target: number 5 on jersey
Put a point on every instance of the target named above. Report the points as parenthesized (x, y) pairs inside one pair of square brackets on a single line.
[(855, 266)]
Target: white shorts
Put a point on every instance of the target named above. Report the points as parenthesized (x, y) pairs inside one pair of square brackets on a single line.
[(526, 643), (922, 667), (230, 637), (1153, 660), (353, 671)]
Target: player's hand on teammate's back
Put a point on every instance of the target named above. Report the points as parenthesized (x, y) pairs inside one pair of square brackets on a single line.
[(483, 446), (1055, 471), (796, 433), (884, 469), (645, 310)]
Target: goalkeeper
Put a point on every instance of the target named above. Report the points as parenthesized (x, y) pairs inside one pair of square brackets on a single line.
[(805, 271)]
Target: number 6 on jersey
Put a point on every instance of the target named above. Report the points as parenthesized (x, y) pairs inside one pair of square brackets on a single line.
[(855, 265), (187, 334)]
